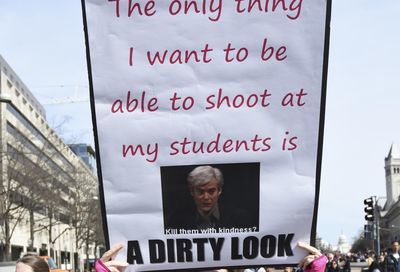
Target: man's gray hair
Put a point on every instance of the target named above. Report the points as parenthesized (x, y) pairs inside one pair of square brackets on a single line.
[(203, 174)]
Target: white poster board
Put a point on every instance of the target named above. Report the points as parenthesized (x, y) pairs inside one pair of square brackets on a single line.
[(238, 85)]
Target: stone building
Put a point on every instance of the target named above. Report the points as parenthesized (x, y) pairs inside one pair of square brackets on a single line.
[(46, 190), (390, 211), (343, 245)]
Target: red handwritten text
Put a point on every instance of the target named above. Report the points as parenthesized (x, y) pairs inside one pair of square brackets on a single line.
[(265, 6), (180, 56), (237, 101), (217, 145), (147, 9), (142, 103)]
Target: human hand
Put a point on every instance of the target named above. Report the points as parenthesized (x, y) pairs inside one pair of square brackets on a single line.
[(315, 261), (106, 262)]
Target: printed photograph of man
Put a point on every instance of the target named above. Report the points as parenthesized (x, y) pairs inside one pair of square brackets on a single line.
[(205, 185)]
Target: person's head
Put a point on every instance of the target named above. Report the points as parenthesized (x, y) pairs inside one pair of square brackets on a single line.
[(371, 254), (395, 247), (381, 258), (288, 269), (31, 263), (205, 184), (330, 257), (334, 264)]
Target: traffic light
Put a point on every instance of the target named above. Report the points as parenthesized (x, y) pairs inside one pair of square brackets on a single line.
[(369, 209), (368, 231)]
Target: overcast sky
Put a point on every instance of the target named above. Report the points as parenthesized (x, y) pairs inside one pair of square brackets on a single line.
[(43, 41)]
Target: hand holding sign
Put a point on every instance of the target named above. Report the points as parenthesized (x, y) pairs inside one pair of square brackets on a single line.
[(315, 261), (107, 262)]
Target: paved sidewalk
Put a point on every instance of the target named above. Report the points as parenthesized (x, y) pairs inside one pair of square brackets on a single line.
[(7, 266)]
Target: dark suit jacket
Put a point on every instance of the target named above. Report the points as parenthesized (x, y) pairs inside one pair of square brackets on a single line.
[(229, 218)]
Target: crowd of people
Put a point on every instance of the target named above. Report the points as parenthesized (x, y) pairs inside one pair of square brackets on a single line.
[(338, 263), (314, 262), (386, 261)]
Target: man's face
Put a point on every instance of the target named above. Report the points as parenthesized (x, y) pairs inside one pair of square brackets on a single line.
[(395, 247), (206, 196)]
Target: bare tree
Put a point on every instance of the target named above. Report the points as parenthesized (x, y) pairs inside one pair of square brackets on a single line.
[(33, 182), (41, 186), (18, 196), (87, 214)]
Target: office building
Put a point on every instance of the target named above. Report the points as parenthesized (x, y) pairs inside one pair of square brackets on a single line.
[(46, 190)]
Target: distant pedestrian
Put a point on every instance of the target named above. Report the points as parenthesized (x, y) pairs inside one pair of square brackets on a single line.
[(391, 263), (378, 265), (334, 267), (371, 258), (345, 263), (331, 258)]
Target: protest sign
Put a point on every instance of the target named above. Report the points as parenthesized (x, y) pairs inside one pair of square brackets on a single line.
[(234, 86)]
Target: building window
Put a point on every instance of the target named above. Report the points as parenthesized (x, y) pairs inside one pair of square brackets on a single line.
[(9, 84), (16, 252), (17, 93), (37, 133), (24, 101)]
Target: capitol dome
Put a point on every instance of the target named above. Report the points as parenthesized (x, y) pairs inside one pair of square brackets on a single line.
[(343, 246)]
